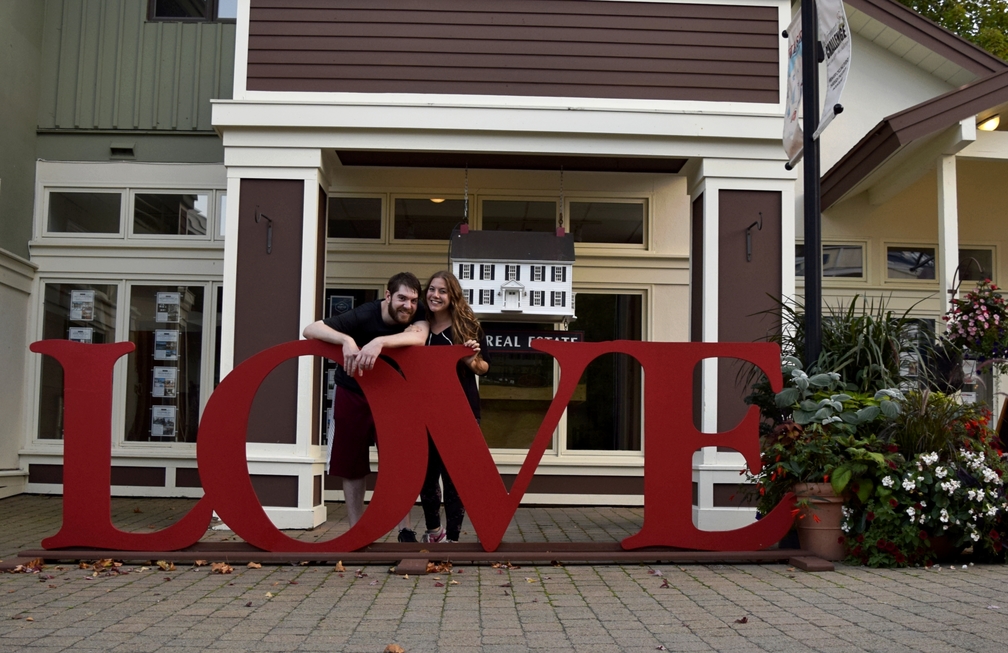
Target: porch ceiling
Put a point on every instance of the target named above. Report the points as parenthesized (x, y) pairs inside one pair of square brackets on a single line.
[(495, 161)]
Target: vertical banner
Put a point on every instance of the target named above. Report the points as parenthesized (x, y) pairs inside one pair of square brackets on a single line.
[(836, 42), (792, 130)]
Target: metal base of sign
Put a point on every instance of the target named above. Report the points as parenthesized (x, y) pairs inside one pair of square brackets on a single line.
[(468, 552)]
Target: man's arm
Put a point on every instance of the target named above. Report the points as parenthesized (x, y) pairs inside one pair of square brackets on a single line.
[(321, 331), (415, 334)]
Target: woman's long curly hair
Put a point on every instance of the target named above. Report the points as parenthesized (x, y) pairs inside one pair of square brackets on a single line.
[(465, 326)]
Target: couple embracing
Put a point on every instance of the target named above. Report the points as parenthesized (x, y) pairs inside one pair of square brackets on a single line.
[(399, 320)]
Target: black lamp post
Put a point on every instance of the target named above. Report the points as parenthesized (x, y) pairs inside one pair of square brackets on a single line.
[(813, 227)]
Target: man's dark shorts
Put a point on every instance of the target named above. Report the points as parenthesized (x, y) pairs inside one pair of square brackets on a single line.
[(353, 435)]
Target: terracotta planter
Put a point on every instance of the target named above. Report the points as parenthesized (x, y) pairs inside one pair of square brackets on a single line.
[(823, 537)]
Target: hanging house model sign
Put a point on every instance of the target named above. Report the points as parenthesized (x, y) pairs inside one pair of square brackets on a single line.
[(515, 275)]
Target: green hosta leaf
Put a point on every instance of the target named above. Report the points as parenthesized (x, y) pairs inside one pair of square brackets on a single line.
[(786, 397), (850, 417), (840, 478), (890, 409), (820, 380), (822, 414), (802, 417), (810, 405), (841, 398), (802, 383), (868, 413), (865, 487)]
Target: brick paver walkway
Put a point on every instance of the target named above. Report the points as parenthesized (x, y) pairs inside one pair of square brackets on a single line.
[(575, 608)]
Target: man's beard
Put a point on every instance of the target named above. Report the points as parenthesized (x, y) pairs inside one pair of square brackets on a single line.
[(395, 315)]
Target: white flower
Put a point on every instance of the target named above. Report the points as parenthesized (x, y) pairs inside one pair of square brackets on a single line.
[(989, 475), (975, 536), (992, 511), (923, 504), (908, 484), (910, 511), (941, 472), (944, 517), (888, 481), (971, 495), (845, 528), (950, 486), (930, 458)]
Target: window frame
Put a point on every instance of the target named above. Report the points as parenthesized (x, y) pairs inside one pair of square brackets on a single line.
[(392, 196), (124, 205), (213, 7), (213, 221), (994, 262), (607, 248), (496, 197), (843, 281), (902, 244), (383, 219)]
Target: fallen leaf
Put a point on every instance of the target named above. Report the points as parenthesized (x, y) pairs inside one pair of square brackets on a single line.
[(221, 568), (254, 565), (790, 568), (275, 583), (29, 619), (199, 563), (655, 572), (661, 647), (507, 593), (83, 565), (360, 573), (458, 571), (143, 568), (167, 578), (164, 565), (437, 578), (531, 580), (664, 583), (993, 607), (556, 563), (743, 620), (438, 584), (52, 587), (269, 595), (293, 582), (406, 576), (506, 585), (17, 616), (394, 648), (374, 582), (339, 566), (453, 582), (137, 510), (249, 604), (304, 563)]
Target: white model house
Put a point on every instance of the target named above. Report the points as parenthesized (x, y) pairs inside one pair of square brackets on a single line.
[(515, 275)]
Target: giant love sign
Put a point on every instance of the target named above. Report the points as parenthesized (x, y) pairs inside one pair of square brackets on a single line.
[(423, 396)]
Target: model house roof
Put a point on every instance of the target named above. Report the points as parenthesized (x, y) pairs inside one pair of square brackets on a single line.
[(898, 131), (512, 246)]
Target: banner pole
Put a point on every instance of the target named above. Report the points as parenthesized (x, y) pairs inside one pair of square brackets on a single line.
[(812, 206)]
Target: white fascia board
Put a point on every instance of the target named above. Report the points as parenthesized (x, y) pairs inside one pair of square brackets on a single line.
[(988, 145), (312, 114), (116, 174), (285, 157), (744, 169)]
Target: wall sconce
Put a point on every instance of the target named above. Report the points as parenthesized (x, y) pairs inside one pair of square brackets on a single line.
[(990, 124), (269, 229), (748, 236)]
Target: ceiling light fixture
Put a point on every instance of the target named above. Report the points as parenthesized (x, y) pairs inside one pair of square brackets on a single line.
[(990, 124), (437, 200)]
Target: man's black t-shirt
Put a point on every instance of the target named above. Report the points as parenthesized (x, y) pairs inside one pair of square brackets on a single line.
[(364, 324), (466, 376)]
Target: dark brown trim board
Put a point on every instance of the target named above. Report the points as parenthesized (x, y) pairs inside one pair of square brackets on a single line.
[(479, 160), (900, 129), (937, 39), (555, 48)]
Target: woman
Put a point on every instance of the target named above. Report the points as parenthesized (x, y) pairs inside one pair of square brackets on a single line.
[(451, 323)]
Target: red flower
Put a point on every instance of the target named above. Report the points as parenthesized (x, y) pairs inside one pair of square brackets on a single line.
[(860, 538), (994, 535), (891, 464), (892, 448), (900, 558), (893, 502), (923, 535), (870, 516)]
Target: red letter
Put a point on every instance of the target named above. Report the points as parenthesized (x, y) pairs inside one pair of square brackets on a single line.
[(87, 457)]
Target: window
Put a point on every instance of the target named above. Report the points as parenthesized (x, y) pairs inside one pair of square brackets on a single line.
[(516, 215), (559, 274), (486, 272), (486, 297), (164, 371), (605, 411), (355, 217), (976, 264), (512, 273), (71, 311), (192, 10), (166, 214), (837, 261), (558, 298), (910, 263), (468, 295), (84, 212), (222, 213), (426, 219), (538, 273), (466, 271), (608, 222), (537, 297)]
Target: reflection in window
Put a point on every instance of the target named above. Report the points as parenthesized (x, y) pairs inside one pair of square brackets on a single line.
[(165, 214), (355, 217), (426, 219), (605, 412), (837, 261), (607, 222), (163, 372), (222, 213), (84, 213), (516, 215), (79, 312), (910, 262), (226, 10), (976, 264)]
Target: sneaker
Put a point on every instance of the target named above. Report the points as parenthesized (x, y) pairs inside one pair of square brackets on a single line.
[(433, 537), (407, 535)]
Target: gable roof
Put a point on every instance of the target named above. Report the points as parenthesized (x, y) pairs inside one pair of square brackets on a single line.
[(899, 130), (512, 246), (933, 37)]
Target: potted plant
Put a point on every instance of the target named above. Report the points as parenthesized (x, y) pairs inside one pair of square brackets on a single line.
[(977, 324)]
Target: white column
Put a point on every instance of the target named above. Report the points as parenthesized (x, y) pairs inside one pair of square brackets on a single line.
[(948, 227)]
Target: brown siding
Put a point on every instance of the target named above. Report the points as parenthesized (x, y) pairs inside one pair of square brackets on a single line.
[(276, 491), (746, 290), (268, 298), (138, 476), (187, 477), (560, 48)]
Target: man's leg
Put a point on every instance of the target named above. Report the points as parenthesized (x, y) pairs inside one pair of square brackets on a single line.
[(353, 494)]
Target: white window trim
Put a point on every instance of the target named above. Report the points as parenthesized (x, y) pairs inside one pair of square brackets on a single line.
[(390, 222), (213, 206), (844, 281), (43, 221), (610, 248), (993, 249), (385, 223), (912, 283)]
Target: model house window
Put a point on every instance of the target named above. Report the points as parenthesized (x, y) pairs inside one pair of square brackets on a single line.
[(538, 273), (466, 271), (518, 215), (84, 212), (167, 214), (468, 295), (559, 273), (512, 273), (976, 264), (837, 260), (192, 10), (486, 272), (608, 222), (558, 298), (537, 297), (486, 297), (916, 263), (423, 218), (71, 311), (355, 217)]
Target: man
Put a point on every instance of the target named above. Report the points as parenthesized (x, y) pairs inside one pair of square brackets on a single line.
[(363, 333)]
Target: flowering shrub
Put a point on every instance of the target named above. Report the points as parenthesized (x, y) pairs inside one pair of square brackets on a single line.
[(978, 324), (957, 498)]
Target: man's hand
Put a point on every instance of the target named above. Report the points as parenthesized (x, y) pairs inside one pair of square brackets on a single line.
[(368, 356), (351, 356)]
